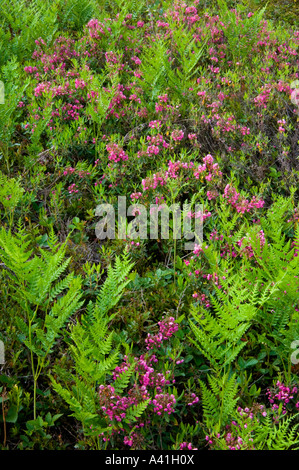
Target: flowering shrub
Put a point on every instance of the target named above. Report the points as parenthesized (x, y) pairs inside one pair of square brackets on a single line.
[(150, 388), (185, 102), (244, 433)]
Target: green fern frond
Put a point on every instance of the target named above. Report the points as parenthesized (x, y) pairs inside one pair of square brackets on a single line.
[(220, 400), (124, 378), (270, 436), (92, 352), (135, 411)]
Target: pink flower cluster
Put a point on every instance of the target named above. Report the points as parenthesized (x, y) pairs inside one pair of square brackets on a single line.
[(135, 195), (193, 399), (153, 182), (167, 327), (166, 110), (73, 189), (112, 57), (284, 395), (247, 250), (155, 141), (210, 166), (212, 195), (113, 405), (239, 435), (238, 202), (95, 29), (155, 124), (199, 215), (215, 236), (263, 97), (148, 381), (116, 153), (214, 278), (164, 402), (174, 167), (202, 299), (147, 375), (185, 445), (177, 135), (80, 173), (116, 105)]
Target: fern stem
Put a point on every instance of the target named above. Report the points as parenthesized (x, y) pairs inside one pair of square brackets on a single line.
[(34, 397), (222, 402)]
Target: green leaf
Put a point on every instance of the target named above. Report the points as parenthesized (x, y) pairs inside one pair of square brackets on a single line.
[(12, 414)]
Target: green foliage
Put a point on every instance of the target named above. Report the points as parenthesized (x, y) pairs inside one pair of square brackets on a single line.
[(165, 102), (11, 194), (219, 335), (175, 69), (281, 436), (76, 13), (255, 429), (219, 400), (278, 265), (284, 11), (94, 356), (9, 113), (37, 288), (22, 23), (240, 33), (248, 307)]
